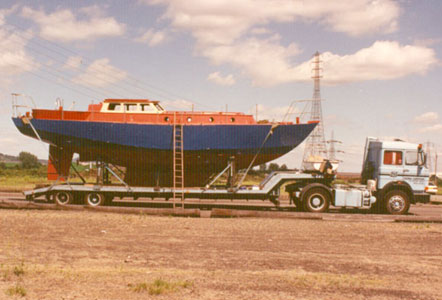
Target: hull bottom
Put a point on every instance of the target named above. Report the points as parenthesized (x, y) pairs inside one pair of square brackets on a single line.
[(155, 168)]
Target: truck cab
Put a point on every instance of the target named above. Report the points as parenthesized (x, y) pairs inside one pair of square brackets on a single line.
[(399, 171)]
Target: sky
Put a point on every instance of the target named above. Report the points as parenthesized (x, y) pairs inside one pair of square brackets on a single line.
[(380, 59)]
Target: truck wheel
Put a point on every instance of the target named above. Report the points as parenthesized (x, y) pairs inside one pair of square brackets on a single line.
[(63, 198), (94, 199), (316, 200), (396, 203)]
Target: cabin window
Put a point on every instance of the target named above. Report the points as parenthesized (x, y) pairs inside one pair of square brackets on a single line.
[(166, 119), (232, 120), (393, 158), (131, 107), (211, 120), (147, 108), (114, 107)]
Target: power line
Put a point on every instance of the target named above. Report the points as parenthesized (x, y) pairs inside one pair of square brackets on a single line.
[(63, 74), (34, 65), (156, 90)]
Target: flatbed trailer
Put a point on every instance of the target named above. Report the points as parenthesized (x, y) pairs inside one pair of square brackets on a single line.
[(96, 194), (395, 175), (316, 195)]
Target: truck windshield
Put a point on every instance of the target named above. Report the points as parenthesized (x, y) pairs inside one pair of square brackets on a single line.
[(411, 158), (415, 158)]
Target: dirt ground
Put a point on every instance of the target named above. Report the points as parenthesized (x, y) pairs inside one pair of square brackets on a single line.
[(93, 255)]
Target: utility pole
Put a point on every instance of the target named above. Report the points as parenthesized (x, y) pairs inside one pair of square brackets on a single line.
[(332, 150), (315, 144)]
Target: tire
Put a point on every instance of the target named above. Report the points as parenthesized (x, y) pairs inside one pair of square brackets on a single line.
[(94, 199), (316, 200), (63, 198), (396, 203)]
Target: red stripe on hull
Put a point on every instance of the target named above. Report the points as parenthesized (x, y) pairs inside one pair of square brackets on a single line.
[(188, 118)]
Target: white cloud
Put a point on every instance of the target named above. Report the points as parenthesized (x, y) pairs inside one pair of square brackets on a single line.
[(100, 73), (73, 63), (62, 25), (268, 63), (263, 60), (360, 17), (381, 61), (226, 33), (14, 58), (224, 21), (437, 128), (217, 78), (428, 117), (152, 38)]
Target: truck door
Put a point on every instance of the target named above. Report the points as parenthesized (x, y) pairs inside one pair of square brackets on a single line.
[(415, 172), (391, 167)]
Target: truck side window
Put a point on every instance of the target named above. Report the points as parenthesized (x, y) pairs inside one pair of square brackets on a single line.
[(393, 158)]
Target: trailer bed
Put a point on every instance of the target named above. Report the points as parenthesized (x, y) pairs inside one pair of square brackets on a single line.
[(269, 187)]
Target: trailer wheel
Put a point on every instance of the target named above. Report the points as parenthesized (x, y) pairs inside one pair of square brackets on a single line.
[(396, 203), (316, 200), (94, 199), (63, 198)]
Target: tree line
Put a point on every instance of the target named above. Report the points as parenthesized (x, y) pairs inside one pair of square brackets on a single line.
[(27, 161)]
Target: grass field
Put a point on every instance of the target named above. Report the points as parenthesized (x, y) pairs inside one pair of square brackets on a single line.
[(15, 179), (90, 255)]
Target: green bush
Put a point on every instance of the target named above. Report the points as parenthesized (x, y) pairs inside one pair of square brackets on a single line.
[(28, 160)]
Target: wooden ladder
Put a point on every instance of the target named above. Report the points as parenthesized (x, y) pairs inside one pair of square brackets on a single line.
[(178, 161)]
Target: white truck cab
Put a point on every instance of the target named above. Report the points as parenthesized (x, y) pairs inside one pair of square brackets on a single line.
[(394, 174), (400, 172)]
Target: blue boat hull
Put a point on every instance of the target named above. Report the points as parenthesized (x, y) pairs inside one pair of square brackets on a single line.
[(146, 149)]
